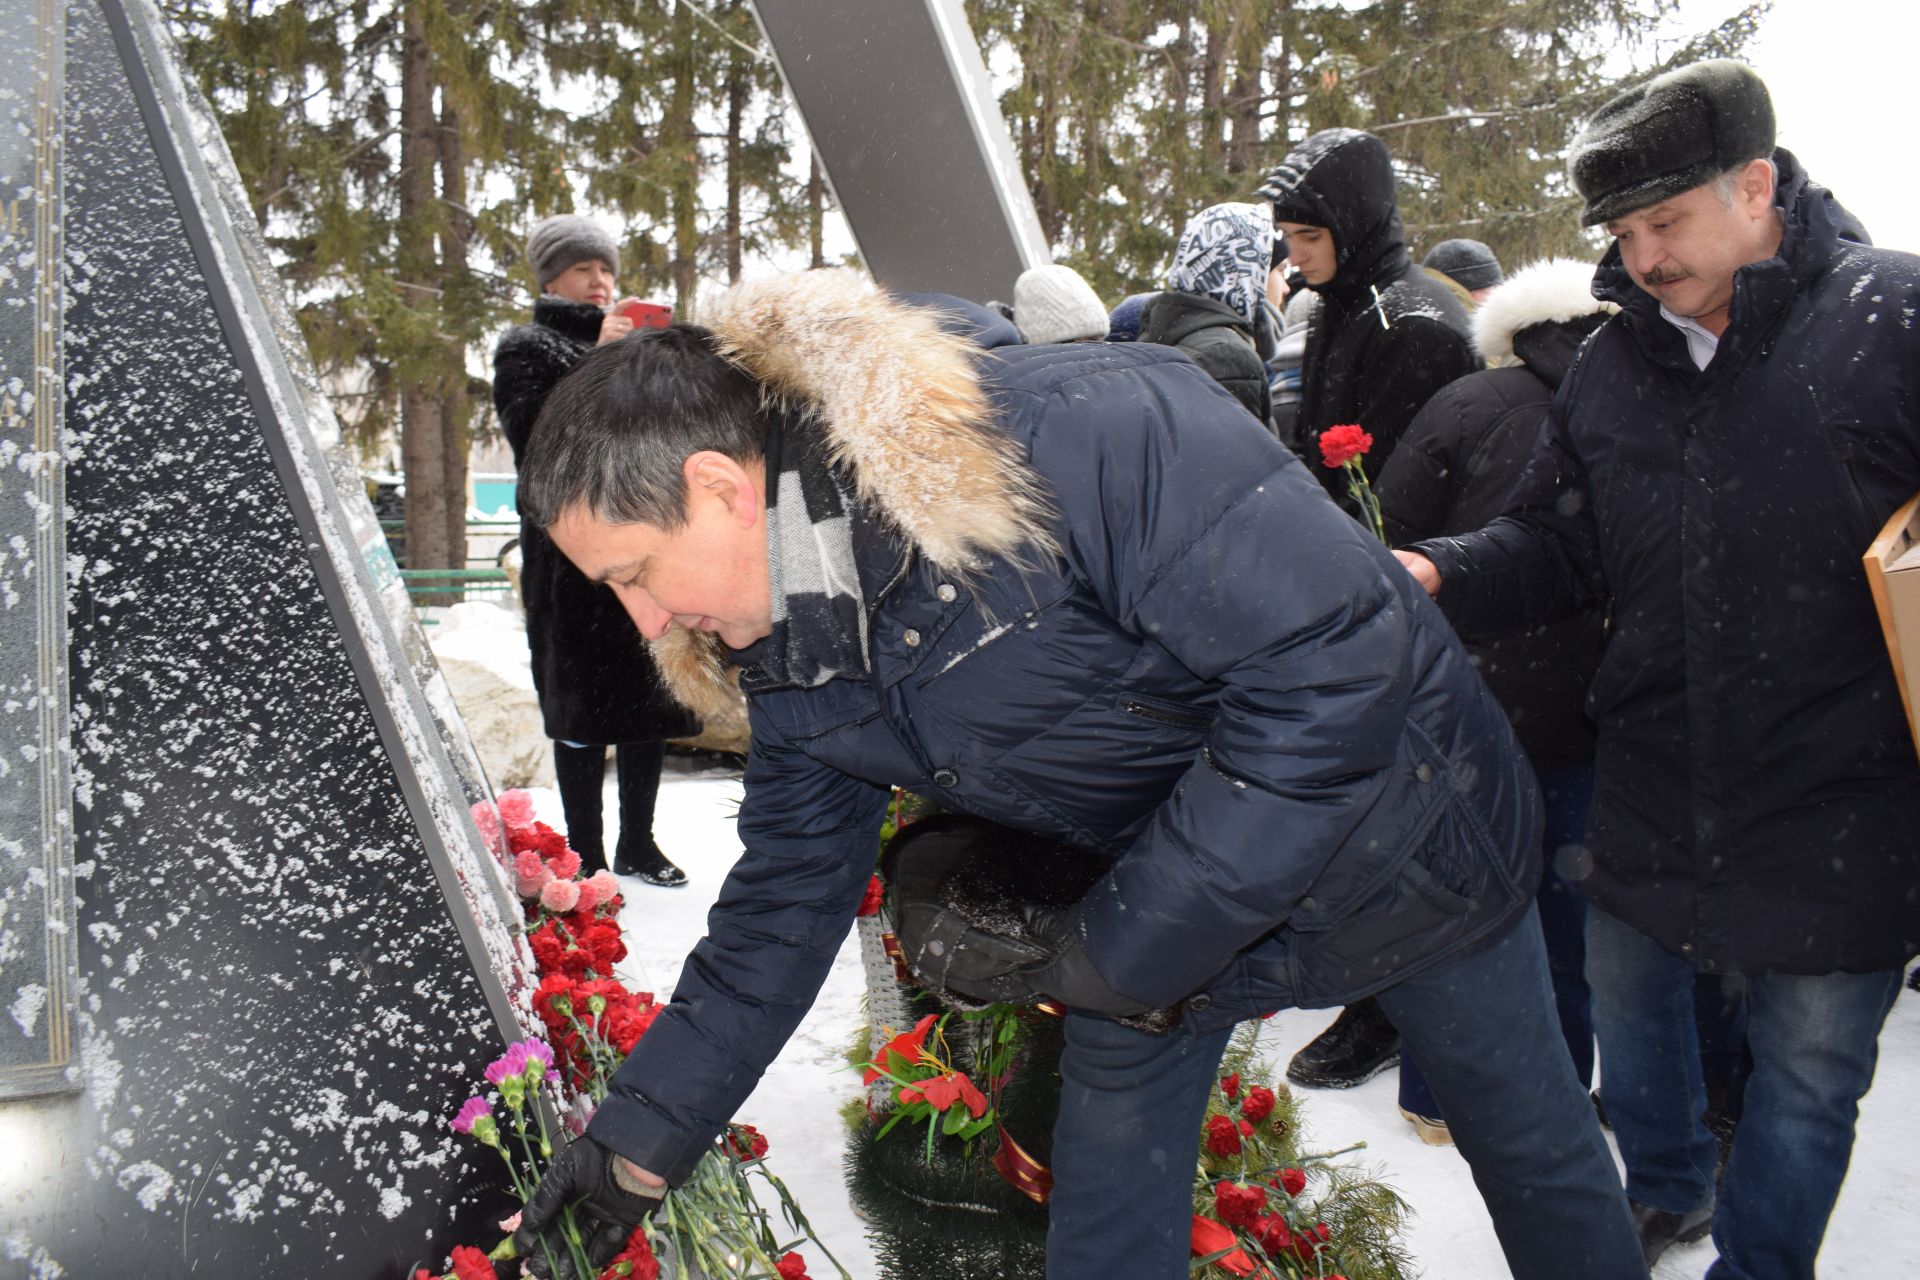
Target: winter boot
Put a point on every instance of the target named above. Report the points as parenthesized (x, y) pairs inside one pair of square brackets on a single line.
[(1359, 1045), (638, 765)]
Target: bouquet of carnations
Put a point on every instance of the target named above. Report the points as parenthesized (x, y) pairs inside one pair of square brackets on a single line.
[(710, 1226), (1265, 1210)]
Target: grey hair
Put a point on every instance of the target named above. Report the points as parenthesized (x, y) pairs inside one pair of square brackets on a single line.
[(613, 437), (1724, 184)]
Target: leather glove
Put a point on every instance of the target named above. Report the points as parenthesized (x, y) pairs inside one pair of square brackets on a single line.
[(608, 1205), (1066, 973)]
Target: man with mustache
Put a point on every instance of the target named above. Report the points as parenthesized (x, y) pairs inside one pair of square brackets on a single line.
[(1712, 469)]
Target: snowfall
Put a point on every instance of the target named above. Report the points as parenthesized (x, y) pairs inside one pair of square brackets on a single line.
[(1874, 1232)]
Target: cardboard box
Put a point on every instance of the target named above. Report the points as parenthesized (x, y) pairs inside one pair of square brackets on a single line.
[(1893, 571)]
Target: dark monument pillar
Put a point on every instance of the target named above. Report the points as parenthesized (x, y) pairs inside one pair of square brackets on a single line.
[(252, 951)]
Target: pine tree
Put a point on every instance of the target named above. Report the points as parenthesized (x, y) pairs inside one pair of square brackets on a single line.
[(1129, 116)]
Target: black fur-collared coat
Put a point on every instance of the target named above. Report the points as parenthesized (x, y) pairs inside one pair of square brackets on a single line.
[(596, 682)]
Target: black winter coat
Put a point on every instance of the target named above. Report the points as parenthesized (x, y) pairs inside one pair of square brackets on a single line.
[(1453, 472), (1304, 791), (1758, 803), (1220, 341), (1385, 337), (596, 682)]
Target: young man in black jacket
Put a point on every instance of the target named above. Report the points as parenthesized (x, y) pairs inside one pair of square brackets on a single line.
[(1714, 466), (1384, 338)]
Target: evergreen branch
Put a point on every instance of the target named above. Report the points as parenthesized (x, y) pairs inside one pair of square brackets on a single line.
[(1501, 217), (759, 55)]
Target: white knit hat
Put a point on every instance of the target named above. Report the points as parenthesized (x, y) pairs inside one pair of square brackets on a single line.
[(1053, 304)]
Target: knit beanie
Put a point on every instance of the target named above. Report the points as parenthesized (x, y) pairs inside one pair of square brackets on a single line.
[(1470, 264), (564, 239), (1669, 135), (1054, 304)]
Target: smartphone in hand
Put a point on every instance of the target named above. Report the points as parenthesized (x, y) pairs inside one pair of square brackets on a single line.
[(648, 315)]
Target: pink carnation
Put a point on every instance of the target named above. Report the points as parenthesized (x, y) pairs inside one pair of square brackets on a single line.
[(487, 818), (560, 896), (530, 875), (471, 1110), (516, 808), (565, 865), (589, 894), (607, 887)]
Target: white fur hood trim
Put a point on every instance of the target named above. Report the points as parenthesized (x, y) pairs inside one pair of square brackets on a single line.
[(1557, 289)]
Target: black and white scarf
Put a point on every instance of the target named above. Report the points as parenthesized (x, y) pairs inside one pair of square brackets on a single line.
[(819, 618)]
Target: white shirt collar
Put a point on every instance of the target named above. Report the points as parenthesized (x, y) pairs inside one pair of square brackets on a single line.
[(1702, 342)]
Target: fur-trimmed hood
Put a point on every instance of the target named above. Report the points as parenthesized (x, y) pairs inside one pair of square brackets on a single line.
[(1550, 292), (906, 418)]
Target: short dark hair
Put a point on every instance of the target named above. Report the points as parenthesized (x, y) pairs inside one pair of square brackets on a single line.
[(614, 435)]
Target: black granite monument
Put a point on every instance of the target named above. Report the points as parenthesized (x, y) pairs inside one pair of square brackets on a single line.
[(253, 953)]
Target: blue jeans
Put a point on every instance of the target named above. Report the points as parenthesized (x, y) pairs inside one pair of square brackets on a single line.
[(1815, 1041), (1131, 1103), (1567, 796), (1124, 1148), (1488, 1038)]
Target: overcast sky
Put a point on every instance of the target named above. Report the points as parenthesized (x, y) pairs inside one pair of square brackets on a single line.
[(1846, 89)]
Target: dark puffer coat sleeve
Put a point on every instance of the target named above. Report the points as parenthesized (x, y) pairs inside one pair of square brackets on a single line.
[(811, 835)]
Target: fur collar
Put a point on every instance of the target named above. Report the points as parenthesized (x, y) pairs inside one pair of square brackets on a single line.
[(1548, 292), (906, 417)]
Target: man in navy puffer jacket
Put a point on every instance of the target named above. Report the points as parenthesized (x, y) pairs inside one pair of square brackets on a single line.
[(1039, 583)]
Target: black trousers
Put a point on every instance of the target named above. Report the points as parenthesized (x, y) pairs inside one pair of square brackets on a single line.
[(581, 773)]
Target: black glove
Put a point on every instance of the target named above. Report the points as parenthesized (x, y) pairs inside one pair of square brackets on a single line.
[(607, 1207), (1066, 974)]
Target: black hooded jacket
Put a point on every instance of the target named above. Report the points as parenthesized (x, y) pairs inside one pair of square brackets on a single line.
[(1758, 797), (1458, 463), (1385, 337), (596, 682)]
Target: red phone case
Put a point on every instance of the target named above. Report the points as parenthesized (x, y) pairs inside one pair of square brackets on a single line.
[(648, 315)]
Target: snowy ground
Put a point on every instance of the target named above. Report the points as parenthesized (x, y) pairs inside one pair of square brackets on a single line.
[(1875, 1231)]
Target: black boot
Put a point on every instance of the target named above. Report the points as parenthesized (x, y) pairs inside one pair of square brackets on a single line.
[(1660, 1230), (581, 775), (1359, 1045), (638, 766)]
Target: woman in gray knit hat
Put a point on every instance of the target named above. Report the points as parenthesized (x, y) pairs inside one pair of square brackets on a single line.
[(597, 684)]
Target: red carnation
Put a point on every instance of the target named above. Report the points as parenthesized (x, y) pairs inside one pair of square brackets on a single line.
[(1341, 445), (1238, 1204), (1291, 1181), (640, 1264), (875, 895), (471, 1264), (747, 1142), (1258, 1104), (1271, 1233), (1223, 1136), (792, 1267), (1230, 1085)]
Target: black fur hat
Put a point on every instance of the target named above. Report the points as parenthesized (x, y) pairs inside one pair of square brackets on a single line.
[(1669, 135)]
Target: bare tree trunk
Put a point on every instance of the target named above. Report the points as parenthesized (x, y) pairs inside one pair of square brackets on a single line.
[(1243, 118), (680, 135), (422, 450), (456, 407), (816, 211), (736, 111), (1213, 148)]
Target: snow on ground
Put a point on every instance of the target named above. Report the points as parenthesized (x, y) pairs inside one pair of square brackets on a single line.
[(1874, 1232)]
